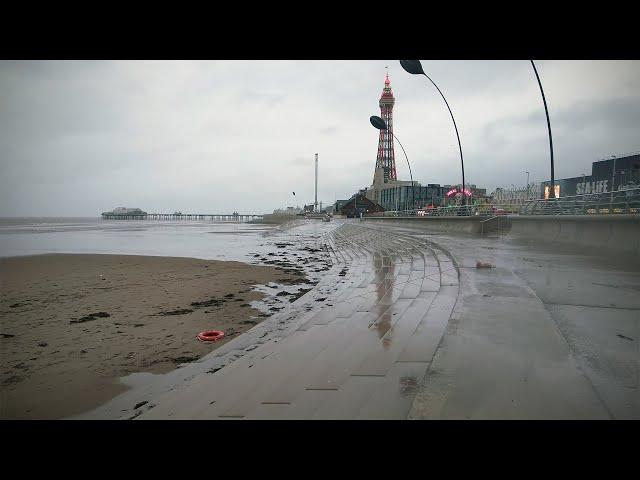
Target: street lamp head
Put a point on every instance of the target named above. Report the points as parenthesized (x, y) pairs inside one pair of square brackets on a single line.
[(414, 67), (378, 123)]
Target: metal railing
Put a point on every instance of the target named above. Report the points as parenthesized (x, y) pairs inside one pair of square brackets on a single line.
[(451, 211), (625, 201), (618, 202)]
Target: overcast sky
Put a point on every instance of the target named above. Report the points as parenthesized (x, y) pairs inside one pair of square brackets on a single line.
[(81, 137)]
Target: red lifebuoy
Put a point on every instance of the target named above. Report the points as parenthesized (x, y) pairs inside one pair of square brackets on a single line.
[(210, 336)]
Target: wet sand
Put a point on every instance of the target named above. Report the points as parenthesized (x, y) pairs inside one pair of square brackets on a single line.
[(71, 325)]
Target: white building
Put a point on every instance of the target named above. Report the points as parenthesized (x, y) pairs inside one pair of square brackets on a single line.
[(287, 211), (516, 195), (127, 211)]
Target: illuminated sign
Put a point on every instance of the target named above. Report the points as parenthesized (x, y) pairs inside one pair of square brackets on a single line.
[(455, 191), (546, 191)]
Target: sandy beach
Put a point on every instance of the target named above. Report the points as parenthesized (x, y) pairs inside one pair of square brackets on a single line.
[(71, 325)]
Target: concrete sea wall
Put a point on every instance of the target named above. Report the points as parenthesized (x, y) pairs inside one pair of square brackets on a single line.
[(607, 233), (432, 224), (615, 233)]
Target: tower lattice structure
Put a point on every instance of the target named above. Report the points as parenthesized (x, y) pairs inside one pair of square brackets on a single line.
[(386, 156)]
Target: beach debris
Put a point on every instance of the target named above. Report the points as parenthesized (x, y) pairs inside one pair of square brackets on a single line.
[(184, 359), (6, 335), (43, 344), (626, 338), (210, 336), (180, 311), (484, 265), (23, 303), (90, 317), (138, 405), (12, 379), (214, 302), (300, 293)]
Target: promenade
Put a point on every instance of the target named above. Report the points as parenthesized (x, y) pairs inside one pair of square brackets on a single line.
[(413, 330)]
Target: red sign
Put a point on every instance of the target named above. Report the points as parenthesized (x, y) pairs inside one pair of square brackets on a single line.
[(455, 191)]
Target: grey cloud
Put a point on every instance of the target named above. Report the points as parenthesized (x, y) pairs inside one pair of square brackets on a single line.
[(611, 114), (79, 137), (330, 130), (269, 99)]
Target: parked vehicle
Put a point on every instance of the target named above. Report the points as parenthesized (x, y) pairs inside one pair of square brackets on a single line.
[(497, 211)]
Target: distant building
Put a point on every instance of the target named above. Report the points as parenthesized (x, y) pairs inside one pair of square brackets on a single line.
[(401, 195), (516, 195), (125, 211), (360, 204), (618, 173), (337, 207), (288, 211)]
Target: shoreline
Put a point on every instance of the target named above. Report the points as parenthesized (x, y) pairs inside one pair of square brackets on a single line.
[(73, 324)]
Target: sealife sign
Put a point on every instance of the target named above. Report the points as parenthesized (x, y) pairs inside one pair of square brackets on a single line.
[(456, 191), (600, 186)]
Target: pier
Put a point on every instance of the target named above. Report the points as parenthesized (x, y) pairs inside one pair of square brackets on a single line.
[(234, 217)]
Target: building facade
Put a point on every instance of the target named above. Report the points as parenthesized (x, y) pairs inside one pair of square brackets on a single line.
[(360, 205), (617, 173), (516, 195)]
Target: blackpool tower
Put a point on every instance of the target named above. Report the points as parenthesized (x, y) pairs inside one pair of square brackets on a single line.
[(386, 157)]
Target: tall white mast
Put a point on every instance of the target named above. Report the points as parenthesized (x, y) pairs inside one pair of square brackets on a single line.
[(316, 198)]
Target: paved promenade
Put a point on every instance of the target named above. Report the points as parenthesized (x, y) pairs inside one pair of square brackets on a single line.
[(361, 356), (413, 330)]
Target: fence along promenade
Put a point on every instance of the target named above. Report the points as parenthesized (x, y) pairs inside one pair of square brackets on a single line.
[(235, 217), (618, 202)]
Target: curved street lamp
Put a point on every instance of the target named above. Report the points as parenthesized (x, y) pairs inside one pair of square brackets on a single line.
[(552, 189), (381, 125), (414, 67)]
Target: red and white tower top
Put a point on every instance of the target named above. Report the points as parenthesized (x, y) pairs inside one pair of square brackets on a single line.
[(386, 156)]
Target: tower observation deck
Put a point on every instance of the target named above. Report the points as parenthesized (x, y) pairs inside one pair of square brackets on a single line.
[(386, 157)]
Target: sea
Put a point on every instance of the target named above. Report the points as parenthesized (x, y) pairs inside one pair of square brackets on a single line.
[(207, 240)]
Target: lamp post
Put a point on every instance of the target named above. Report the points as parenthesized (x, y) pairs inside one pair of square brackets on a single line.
[(355, 206), (527, 185), (414, 67), (381, 125), (552, 190)]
